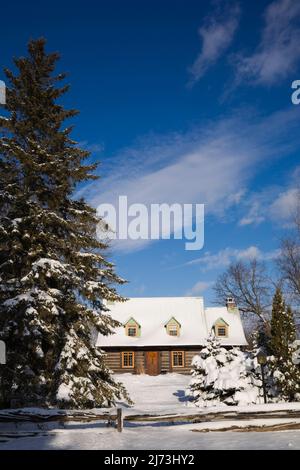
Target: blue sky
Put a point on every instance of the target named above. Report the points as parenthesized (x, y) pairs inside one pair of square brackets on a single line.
[(182, 101)]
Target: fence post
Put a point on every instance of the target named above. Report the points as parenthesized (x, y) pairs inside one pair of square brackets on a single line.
[(119, 420)]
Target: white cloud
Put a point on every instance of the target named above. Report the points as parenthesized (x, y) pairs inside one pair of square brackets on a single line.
[(199, 288), (237, 197), (216, 34), (276, 204), (255, 206), (211, 165), (284, 206), (278, 52), (223, 258), (254, 215)]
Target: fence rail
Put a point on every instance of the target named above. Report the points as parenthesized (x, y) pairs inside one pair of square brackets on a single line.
[(113, 417), (213, 416)]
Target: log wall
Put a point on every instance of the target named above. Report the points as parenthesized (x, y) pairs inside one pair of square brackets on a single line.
[(114, 360)]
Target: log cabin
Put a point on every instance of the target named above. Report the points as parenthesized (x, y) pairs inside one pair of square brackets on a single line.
[(162, 334)]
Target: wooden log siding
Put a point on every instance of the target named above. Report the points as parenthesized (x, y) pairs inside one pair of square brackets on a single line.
[(165, 361), (114, 360)]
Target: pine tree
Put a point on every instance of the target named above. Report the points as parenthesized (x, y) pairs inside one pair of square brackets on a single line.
[(260, 346), (55, 278), (222, 375), (278, 336), (283, 335)]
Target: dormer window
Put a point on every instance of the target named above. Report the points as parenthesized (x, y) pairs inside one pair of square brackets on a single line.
[(132, 331), (221, 328), (132, 328), (173, 327), (221, 331), (173, 330)]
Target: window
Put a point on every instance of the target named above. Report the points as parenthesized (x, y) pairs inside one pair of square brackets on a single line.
[(177, 359), (132, 331), (221, 328), (173, 330), (128, 360), (221, 331)]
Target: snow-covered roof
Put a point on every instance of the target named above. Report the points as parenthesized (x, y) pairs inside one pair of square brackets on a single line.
[(152, 313), (236, 335)]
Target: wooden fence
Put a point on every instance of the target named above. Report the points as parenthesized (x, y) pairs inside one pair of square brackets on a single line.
[(113, 417)]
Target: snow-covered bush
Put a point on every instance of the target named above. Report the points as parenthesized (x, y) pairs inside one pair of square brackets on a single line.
[(227, 376)]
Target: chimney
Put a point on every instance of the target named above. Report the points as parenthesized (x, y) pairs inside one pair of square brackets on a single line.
[(230, 303)]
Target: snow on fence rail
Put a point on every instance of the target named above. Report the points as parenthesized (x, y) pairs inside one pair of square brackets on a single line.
[(115, 416), (214, 416), (44, 416)]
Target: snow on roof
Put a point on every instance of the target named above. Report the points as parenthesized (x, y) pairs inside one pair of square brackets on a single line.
[(152, 313), (236, 335)]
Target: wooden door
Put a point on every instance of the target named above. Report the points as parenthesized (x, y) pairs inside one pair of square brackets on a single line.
[(152, 363)]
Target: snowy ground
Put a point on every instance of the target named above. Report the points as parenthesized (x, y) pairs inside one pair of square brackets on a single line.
[(163, 438), (161, 394), (165, 394), (154, 395)]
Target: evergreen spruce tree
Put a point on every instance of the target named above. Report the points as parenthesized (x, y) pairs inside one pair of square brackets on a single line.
[(283, 335), (278, 341), (222, 375), (54, 277)]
